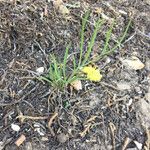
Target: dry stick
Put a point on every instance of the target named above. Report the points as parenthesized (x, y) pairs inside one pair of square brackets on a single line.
[(51, 121), (87, 126), (126, 142), (22, 117), (15, 102), (112, 128), (86, 129)]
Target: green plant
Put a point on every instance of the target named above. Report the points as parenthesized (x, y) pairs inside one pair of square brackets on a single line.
[(62, 74)]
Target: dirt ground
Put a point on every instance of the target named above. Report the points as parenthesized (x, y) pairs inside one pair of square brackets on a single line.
[(112, 114)]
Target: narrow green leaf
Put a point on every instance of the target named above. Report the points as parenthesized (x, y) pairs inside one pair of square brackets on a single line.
[(121, 39), (74, 63), (45, 79), (98, 25), (108, 36), (65, 61), (84, 20)]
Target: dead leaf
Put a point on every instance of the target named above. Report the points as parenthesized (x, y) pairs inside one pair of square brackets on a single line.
[(20, 140), (59, 5), (77, 85), (132, 63), (98, 10), (63, 10)]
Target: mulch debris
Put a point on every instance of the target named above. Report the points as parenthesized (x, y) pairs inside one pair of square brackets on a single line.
[(111, 114)]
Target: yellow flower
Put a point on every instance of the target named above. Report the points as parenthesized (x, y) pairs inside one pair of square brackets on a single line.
[(92, 73)]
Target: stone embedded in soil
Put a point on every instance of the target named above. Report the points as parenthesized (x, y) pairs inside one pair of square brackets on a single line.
[(15, 127), (1, 145), (147, 96), (94, 100), (147, 65), (44, 138), (132, 63), (143, 112), (62, 138), (123, 86), (40, 70), (139, 145), (28, 146), (39, 129)]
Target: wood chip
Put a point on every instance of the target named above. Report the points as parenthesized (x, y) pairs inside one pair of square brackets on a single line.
[(20, 140)]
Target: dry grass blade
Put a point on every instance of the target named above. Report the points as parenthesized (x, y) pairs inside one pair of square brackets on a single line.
[(87, 126), (86, 129), (22, 118), (112, 129), (51, 121)]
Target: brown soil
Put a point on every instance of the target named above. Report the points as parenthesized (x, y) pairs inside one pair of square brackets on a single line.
[(110, 115)]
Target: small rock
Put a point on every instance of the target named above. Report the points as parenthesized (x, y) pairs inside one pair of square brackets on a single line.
[(138, 90), (2, 145), (108, 60), (143, 111), (147, 65), (39, 129), (123, 86), (132, 63), (139, 145), (28, 146), (129, 102), (15, 127), (44, 139), (40, 70), (94, 100), (148, 95), (148, 2), (62, 138)]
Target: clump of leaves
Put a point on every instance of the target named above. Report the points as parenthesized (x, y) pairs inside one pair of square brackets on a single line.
[(61, 73)]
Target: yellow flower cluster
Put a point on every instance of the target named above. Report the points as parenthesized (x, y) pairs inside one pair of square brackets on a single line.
[(92, 73)]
